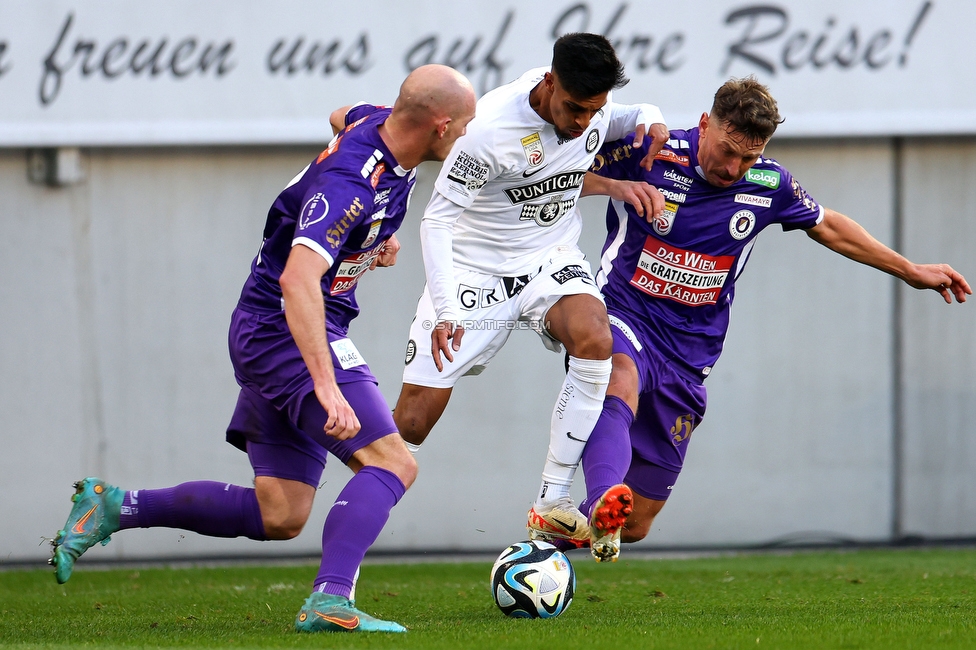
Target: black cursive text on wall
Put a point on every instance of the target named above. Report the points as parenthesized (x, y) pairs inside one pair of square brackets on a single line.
[(768, 43), (5, 63), (291, 57), (123, 55), (642, 50), (465, 56)]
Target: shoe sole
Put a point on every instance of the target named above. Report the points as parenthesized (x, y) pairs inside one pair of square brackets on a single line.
[(607, 518)]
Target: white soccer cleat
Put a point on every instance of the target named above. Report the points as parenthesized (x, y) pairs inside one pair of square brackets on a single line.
[(559, 520)]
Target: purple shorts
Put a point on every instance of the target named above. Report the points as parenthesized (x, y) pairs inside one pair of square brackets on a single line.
[(670, 406), (278, 420)]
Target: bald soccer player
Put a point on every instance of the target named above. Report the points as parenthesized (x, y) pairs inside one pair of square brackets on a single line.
[(305, 389)]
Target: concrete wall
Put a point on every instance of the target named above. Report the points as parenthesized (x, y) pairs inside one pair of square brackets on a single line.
[(117, 292)]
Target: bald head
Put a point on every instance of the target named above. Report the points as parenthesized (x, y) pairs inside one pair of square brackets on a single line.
[(432, 111), (434, 91)]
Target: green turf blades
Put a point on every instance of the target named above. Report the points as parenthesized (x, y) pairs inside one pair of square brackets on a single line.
[(93, 518), (329, 613)]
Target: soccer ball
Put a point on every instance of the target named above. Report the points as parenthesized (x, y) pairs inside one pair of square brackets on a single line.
[(532, 580)]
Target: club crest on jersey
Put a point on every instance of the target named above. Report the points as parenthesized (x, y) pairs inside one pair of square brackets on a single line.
[(313, 211), (662, 225), (374, 232), (546, 214), (592, 141), (741, 224), (535, 154)]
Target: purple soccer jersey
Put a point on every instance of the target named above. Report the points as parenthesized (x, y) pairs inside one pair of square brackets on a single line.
[(673, 281), (344, 206)]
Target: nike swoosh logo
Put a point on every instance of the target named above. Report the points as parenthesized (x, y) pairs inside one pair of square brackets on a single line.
[(528, 173), (79, 528), (345, 623), (571, 529), (569, 434)]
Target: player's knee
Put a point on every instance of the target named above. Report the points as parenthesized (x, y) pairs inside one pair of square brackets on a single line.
[(412, 421), (595, 343), (405, 467), (283, 527), (413, 428)]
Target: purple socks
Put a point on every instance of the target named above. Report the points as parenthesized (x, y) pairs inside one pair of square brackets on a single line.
[(224, 510), (607, 455), (354, 522), (206, 507)]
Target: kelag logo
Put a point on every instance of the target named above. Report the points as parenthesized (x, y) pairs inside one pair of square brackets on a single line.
[(763, 177)]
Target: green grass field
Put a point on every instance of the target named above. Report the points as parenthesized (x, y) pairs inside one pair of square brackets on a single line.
[(865, 599)]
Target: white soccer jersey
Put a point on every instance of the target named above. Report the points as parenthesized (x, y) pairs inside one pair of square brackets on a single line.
[(518, 183)]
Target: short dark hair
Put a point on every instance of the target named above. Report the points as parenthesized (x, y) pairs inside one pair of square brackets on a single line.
[(747, 106), (587, 65)]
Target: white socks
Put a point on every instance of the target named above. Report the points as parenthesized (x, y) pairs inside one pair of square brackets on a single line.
[(573, 418), (412, 448)]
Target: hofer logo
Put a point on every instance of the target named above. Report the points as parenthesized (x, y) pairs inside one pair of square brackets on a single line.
[(764, 177)]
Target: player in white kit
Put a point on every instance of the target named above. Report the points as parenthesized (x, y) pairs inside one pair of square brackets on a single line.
[(500, 248)]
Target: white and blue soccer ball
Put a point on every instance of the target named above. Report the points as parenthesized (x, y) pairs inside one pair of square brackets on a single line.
[(532, 580)]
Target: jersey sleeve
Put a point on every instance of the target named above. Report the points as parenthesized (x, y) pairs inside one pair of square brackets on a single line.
[(331, 208), (797, 209), (360, 110), (619, 159), (624, 118), (473, 161)]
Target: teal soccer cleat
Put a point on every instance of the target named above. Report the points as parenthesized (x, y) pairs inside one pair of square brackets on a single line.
[(328, 613), (93, 518)]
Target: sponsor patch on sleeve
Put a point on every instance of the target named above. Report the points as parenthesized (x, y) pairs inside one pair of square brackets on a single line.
[(571, 272), (803, 197), (468, 171)]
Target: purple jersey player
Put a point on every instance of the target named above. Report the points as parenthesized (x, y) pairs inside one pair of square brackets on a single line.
[(669, 283), (305, 389)]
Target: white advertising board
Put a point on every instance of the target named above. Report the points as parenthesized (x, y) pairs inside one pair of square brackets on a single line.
[(180, 72)]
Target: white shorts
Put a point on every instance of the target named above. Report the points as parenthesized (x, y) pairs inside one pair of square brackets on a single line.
[(492, 307)]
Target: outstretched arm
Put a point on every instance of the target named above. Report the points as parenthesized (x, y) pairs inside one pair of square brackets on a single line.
[(843, 235), (643, 120)]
